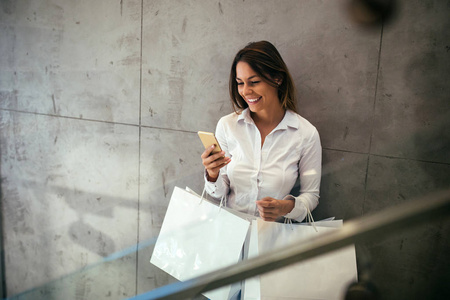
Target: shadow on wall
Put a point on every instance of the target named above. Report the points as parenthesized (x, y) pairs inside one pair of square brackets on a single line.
[(372, 12), (95, 241), (83, 233), (424, 74)]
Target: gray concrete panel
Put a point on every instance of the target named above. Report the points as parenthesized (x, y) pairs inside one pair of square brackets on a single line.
[(188, 48), (335, 74), (342, 185), (391, 181), (74, 202), (412, 118), (413, 264), (78, 59), (185, 65), (105, 280), (70, 192)]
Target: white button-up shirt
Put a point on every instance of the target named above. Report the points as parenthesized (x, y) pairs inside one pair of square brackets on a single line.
[(291, 152)]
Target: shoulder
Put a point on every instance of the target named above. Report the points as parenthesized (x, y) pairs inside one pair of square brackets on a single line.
[(304, 128), (232, 117), (226, 128), (228, 121), (295, 120)]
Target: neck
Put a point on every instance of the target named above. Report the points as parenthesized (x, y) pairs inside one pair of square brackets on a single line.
[(266, 118)]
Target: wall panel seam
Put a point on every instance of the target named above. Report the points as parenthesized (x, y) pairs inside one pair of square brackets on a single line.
[(139, 155), (373, 117)]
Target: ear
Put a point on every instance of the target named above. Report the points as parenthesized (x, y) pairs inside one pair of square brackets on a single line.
[(278, 78)]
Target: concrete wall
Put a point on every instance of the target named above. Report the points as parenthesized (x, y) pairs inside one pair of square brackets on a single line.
[(100, 102)]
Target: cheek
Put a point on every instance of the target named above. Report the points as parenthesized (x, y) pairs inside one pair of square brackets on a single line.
[(273, 92)]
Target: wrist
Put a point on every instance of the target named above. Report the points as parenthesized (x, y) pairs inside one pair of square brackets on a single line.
[(211, 178), (288, 206)]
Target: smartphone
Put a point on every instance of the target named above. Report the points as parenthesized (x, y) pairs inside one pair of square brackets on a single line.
[(209, 139)]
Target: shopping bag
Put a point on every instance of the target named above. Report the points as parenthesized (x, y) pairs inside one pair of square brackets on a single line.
[(323, 277), (198, 237)]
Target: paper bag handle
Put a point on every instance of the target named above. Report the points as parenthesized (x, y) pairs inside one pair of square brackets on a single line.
[(223, 200)]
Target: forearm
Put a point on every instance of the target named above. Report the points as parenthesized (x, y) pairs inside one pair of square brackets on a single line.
[(218, 188), (310, 169), (302, 203)]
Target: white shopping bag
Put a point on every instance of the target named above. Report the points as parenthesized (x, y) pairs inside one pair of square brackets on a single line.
[(324, 277), (198, 237)]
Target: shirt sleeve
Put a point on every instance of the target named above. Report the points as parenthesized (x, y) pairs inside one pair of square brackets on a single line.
[(310, 169), (219, 188)]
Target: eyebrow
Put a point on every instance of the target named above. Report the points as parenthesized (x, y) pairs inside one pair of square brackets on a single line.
[(237, 78)]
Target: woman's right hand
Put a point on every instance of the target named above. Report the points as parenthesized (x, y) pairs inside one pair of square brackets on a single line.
[(213, 163)]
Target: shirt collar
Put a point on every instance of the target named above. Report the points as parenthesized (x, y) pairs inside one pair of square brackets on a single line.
[(245, 116), (289, 120)]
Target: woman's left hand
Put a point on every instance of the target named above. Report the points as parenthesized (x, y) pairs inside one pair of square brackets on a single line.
[(270, 209)]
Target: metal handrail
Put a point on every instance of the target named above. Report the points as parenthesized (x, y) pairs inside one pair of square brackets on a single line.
[(369, 227)]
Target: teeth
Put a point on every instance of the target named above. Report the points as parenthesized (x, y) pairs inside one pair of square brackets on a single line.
[(253, 100)]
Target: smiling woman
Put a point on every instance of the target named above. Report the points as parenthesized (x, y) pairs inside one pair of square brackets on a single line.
[(260, 96), (266, 144), (266, 62)]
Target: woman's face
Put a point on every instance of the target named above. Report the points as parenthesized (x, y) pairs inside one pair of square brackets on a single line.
[(259, 95)]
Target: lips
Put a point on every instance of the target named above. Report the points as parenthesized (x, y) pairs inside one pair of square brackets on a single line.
[(253, 100)]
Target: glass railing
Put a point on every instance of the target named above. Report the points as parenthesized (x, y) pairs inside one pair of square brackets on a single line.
[(376, 226)]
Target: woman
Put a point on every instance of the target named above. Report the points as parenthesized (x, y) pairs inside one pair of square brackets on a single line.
[(266, 145)]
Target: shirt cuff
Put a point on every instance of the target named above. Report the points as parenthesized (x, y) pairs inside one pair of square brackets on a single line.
[(299, 211), (211, 187)]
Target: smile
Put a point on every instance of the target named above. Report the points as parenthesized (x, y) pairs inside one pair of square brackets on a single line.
[(253, 100)]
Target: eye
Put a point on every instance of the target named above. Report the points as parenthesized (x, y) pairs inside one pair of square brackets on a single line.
[(256, 82), (240, 83)]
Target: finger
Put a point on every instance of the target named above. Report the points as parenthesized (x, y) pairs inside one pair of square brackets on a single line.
[(208, 151), (267, 209), (214, 172), (218, 163), (268, 213), (266, 203), (211, 158), (267, 199), (218, 155), (268, 219), (216, 169)]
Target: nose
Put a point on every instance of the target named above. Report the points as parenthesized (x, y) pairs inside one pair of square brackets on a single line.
[(246, 90)]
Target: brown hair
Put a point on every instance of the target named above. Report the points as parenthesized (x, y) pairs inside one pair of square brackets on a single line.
[(266, 61)]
